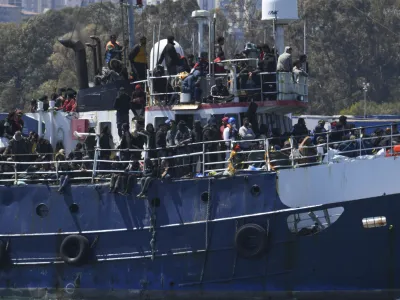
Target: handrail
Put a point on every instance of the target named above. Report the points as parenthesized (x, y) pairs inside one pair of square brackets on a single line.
[(211, 158)]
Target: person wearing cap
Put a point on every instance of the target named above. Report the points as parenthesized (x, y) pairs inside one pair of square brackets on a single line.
[(171, 57), (138, 101), (285, 63), (113, 49), (122, 105), (223, 126), (319, 131), (138, 59)]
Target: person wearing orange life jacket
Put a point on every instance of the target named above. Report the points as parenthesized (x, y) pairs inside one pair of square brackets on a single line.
[(138, 59), (113, 49)]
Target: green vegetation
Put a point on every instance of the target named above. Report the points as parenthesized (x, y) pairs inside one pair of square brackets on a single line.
[(348, 42)]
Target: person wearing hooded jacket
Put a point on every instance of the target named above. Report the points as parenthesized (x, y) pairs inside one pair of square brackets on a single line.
[(210, 134), (182, 138), (171, 57)]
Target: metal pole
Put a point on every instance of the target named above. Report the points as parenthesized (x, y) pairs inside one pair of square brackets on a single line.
[(154, 49), (123, 28), (193, 43), (209, 45), (159, 33), (131, 24), (365, 103), (305, 36)]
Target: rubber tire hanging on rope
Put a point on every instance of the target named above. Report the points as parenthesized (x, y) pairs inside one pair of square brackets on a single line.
[(250, 241), (74, 249)]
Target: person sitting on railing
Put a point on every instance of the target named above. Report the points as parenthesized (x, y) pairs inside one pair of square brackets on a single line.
[(219, 92), (285, 61), (63, 170), (182, 139), (191, 85), (149, 174), (116, 177), (246, 133), (298, 71)]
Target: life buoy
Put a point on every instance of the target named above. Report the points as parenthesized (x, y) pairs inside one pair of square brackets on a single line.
[(250, 241), (74, 249)]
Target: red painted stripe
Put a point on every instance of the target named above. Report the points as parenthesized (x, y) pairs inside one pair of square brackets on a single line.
[(294, 104)]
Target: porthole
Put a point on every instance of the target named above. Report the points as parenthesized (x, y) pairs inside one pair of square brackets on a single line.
[(255, 190), (42, 210), (74, 208), (204, 197)]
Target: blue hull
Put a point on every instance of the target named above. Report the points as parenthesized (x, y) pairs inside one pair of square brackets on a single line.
[(182, 247)]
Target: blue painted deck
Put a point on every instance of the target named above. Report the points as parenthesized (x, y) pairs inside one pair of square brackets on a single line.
[(344, 257)]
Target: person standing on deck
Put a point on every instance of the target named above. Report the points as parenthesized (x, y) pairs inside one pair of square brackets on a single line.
[(138, 59), (122, 105), (113, 49), (171, 57)]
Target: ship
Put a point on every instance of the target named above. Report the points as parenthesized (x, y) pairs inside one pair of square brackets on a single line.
[(301, 230)]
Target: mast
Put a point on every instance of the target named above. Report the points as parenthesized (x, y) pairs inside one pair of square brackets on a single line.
[(131, 24)]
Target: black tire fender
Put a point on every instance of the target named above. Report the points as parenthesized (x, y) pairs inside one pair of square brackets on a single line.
[(251, 240), (74, 249)]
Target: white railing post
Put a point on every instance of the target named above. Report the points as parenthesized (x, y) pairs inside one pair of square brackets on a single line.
[(292, 150), (204, 158), (94, 172)]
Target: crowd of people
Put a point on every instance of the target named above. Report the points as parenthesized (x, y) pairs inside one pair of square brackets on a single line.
[(192, 70), (230, 149)]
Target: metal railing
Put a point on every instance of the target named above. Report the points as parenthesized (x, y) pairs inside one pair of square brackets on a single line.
[(207, 158)]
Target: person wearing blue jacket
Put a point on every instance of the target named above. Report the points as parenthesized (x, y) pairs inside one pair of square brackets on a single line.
[(191, 85)]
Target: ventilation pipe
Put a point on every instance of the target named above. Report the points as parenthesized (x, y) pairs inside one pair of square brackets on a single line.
[(94, 54), (80, 61), (99, 57)]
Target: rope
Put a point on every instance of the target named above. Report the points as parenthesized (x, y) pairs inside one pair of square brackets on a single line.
[(206, 234), (153, 219)]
